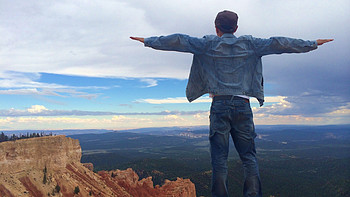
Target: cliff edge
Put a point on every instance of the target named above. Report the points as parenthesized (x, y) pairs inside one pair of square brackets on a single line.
[(50, 166)]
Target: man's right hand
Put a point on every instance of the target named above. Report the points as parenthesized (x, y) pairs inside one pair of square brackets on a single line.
[(138, 39), (322, 41)]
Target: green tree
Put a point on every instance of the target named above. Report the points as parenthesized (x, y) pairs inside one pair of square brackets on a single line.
[(3, 137), (76, 190), (45, 176), (13, 137), (44, 179), (57, 188)]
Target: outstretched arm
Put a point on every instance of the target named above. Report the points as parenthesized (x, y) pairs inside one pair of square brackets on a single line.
[(322, 41), (279, 45), (138, 39), (174, 42)]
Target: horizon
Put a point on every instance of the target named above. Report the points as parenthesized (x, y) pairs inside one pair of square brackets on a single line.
[(69, 132), (71, 65)]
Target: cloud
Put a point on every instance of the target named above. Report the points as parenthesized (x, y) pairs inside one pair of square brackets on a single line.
[(176, 100), (270, 119), (172, 118), (149, 82), (203, 116), (341, 111), (40, 117), (49, 92), (285, 112), (306, 105), (85, 38), (120, 118), (6, 121), (30, 91), (40, 110), (203, 99), (22, 83), (36, 109), (92, 38)]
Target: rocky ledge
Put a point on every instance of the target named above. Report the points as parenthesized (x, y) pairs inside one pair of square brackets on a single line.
[(50, 166)]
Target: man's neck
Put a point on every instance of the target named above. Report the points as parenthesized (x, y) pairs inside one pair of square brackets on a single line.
[(220, 34)]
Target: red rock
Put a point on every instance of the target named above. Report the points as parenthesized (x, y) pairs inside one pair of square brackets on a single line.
[(22, 166)]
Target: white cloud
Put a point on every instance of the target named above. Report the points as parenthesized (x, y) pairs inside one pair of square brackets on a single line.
[(6, 121), (203, 116), (120, 118), (29, 91), (341, 111), (90, 120), (48, 123), (150, 82), (270, 119), (36, 109), (40, 110), (206, 99), (22, 83), (175, 100), (92, 38), (172, 118), (275, 99)]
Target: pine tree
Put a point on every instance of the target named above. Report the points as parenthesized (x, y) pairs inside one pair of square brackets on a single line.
[(13, 137), (44, 179), (57, 188), (2, 137), (76, 190), (45, 176)]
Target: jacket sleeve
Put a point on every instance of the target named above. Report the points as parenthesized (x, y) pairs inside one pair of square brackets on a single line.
[(176, 42), (279, 45)]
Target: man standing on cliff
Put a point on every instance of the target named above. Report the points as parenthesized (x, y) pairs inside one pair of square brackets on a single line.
[(229, 68)]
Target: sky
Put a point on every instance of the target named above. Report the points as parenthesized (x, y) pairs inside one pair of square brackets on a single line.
[(71, 64)]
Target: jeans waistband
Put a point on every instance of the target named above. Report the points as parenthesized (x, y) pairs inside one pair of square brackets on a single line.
[(229, 97)]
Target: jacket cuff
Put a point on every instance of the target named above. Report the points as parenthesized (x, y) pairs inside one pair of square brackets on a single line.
[(147, 42)]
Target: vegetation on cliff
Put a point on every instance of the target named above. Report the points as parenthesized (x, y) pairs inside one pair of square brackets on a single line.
[(50, 165), (4, 138)]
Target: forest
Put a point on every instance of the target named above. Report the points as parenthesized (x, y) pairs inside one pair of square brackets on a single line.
[(14, 137)]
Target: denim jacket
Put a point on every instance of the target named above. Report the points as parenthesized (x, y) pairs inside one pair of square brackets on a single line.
[(227, 65)]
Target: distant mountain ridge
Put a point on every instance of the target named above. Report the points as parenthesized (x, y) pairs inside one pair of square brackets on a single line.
[(175, 130), (266, 133)]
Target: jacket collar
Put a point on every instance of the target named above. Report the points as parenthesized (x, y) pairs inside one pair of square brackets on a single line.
[(228, 35)]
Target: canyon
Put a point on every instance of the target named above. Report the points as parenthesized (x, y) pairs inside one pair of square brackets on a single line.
[(50, 166)]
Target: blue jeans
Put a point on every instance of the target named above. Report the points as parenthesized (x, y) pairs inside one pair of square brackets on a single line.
[(233, 116)]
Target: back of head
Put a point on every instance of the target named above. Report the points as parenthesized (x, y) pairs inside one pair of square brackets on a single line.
[(226, 21)]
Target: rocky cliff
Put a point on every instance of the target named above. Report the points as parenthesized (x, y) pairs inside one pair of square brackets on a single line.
[(50, 166), (36, 153)]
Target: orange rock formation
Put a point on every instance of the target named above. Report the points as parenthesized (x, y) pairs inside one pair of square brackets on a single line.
[(50, 166)]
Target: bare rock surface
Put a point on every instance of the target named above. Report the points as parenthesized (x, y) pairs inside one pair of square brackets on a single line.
[(50, 166)]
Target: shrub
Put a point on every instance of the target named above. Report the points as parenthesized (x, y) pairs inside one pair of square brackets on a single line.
[(57, 188), (76, 190)]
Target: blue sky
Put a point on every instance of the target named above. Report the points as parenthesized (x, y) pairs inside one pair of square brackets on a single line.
[(71, 64)]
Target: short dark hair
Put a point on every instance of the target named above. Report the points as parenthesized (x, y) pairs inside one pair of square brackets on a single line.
[(226, 21)]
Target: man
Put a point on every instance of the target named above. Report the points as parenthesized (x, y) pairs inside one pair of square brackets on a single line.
[(230, 70)]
